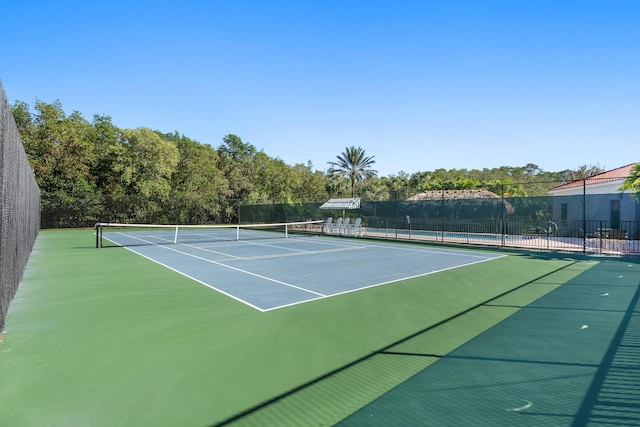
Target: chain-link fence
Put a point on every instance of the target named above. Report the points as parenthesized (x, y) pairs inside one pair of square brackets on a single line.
[(573, 219), (589, 223), (20, 207), (69, 210)]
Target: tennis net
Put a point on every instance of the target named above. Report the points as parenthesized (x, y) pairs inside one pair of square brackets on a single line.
[(114, 234)]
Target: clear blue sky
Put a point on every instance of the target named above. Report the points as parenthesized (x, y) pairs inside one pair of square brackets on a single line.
[(420, 85)]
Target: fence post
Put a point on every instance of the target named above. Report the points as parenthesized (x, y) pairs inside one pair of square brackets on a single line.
[(601, 238), (584, 216), (502, 212), (441, 216)]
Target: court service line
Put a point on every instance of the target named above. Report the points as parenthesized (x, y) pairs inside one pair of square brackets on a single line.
[(390, 281), (295, 240), (249, 243), (324, 251), (171, 242), (212, 251), (208, 285), (182, 273), (296, 252), (154, 243), (226, 266), (301, 240), (245, 243), (400, 246)]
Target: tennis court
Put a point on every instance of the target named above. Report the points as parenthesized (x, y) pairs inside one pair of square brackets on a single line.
[(428, 335), (268, 270)]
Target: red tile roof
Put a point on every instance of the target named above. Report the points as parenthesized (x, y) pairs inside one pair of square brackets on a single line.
[(618, 174)]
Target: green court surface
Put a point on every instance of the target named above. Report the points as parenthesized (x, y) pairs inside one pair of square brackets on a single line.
[(105, 337)]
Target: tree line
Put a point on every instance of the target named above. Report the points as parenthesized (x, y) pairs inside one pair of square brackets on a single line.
[(94, 171)]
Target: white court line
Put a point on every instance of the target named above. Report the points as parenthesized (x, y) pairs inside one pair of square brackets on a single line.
[(206, 249), (295, 240), (211, 251), (341, 247), (172, 242), (452, 252), (345, 246), (248, 243), (269, 245), (232, 296), (400, 246), (390, 281), (225, 266), (324, 251), (298, 252)]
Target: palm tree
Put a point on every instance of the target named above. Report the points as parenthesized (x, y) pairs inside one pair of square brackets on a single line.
[(354, 165), (632, 182)]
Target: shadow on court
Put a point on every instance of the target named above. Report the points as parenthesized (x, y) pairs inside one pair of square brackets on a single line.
[(93, 336), (571, 358), (568, 358)]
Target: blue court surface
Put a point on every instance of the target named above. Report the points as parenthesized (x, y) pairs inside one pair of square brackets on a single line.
[(268, 274)]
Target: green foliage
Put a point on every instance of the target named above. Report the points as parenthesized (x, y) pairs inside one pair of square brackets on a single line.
[(57, 145), (94, 171), (354, 165), (197, 183), (145, 162), (312, 184), (237, 165), (632, 182), (103, 136)]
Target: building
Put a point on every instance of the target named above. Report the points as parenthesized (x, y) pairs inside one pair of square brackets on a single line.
[(597, 206)]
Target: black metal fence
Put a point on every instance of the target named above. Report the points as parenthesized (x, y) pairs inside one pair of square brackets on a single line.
[(588, 223), (19, 207)]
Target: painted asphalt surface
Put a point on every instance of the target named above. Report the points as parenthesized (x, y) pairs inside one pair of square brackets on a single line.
[(568, 359), (268, 274)]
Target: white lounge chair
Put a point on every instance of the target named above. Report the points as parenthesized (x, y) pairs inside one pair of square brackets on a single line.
[(345, 226), (328, 225), (335, 228), (356, 228)]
